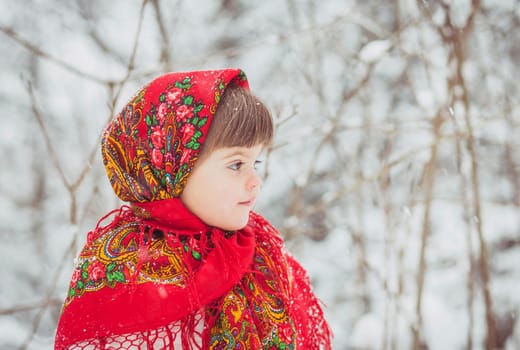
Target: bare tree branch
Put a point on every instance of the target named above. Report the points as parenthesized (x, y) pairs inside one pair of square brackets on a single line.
[(9, 32)]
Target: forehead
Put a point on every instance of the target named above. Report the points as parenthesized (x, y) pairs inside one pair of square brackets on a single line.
[(223, 153)]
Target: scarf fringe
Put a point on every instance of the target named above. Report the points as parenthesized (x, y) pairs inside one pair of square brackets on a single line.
[(196, 330)]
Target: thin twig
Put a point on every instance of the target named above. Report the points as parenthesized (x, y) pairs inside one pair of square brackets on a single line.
[(165, 58), (31, 306), (46, 137), (131, 60), (457, 40), (49, 293), (39, 52), (429, 176)]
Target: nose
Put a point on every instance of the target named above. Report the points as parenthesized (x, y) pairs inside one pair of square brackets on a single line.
[(253, 182)]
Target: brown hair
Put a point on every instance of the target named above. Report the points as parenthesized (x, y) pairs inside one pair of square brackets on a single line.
[(241, 120)]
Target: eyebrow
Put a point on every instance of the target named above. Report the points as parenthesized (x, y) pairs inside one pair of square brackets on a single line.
[(236, 152)]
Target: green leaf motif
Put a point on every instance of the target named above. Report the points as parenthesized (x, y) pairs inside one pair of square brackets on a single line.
[(139, 97), (198, 108), (182, 86), (118, 276), (84, 275), (111, 267), (202, 122), (196, 255), (72, 292), (196, 146), (110, 277), (190, 144), (195, 120), (163, 180), (197, 134), (162, 98), (188, 100), (179, 175), (80, 285), (148, 120)]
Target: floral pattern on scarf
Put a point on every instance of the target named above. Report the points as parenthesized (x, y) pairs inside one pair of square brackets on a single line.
[(149, 149), (156, 276)]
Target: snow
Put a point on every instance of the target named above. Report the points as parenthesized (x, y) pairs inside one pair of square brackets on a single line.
[(367, 332), (374, 50)]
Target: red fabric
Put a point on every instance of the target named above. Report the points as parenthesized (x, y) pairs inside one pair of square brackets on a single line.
[(149, 149), (170, 213), (273, 306), (157, 277), (135, 307)]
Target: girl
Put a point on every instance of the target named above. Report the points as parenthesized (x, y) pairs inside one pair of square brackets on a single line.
[(187, 264)]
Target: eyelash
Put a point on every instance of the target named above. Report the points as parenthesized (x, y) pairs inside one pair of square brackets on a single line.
[(237, 165)]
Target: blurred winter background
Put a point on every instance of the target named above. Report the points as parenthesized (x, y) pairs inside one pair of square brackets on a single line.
[(395, 177)]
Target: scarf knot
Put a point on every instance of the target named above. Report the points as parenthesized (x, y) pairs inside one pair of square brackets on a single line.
[(170, 214)]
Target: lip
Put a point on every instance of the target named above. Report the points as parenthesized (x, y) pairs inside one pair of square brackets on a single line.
[(249, 202)]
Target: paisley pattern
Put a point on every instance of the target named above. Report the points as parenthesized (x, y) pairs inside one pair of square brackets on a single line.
[(253, 315), (124, 253)]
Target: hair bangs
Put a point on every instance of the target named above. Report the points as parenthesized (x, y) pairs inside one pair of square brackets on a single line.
[(241, 120)]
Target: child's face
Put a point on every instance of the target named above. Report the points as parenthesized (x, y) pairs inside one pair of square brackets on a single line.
[(223, 187)]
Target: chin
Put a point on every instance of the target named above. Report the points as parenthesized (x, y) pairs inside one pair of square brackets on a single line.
[(237, 225), (229, 221)]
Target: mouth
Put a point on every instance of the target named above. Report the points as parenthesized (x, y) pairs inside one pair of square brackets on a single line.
[(248, 203)]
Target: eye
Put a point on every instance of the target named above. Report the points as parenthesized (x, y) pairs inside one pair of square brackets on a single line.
[(236, 166), (257, 163)]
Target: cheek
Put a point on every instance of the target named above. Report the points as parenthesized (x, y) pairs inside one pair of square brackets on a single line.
[(230, 190), (214, 194), (222, 198)]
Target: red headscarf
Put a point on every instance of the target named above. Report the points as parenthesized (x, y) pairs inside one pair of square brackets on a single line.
[(157, 277)]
